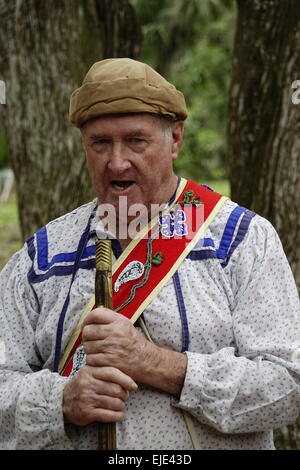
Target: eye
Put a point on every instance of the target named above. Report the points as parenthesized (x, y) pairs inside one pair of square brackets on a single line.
[(136, 140), (100, 144), (137, 143), (102, 141)]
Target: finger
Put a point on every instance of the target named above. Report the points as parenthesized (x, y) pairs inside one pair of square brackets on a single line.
[(119, 326), (95, 329), (111, 374), (107, 416), (100, 315), (112, 390), (100, 359), (109, 403), (94, 346), (94, 332)]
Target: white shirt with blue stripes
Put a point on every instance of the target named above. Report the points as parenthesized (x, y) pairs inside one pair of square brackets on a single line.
[(232, 307)]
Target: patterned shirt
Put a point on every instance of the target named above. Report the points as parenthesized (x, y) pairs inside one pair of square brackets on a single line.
[(232, 307)]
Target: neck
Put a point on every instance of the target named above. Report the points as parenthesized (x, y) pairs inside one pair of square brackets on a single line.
[(125, 229)]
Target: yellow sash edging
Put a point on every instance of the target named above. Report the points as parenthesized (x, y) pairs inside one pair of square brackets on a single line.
[(183, 255), (76, 333)]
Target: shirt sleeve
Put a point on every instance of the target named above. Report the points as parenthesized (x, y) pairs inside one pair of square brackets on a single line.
[(254, 384), (30, 397)]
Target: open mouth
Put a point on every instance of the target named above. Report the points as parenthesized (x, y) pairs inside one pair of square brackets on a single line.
[(121, 185)]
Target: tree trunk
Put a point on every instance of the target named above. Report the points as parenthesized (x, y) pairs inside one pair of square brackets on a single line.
[(46, 48), (264, 125), (41, 67), (264, 138), (121, 35)]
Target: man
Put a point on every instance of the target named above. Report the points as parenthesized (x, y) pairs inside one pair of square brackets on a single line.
[(216, 363)]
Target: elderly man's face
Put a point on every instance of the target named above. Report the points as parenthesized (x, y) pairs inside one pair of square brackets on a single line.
[(132, 155)]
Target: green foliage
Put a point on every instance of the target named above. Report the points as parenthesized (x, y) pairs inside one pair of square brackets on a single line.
[(190, 43), (3, 151)]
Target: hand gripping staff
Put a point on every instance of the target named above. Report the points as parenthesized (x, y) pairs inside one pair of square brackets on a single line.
[(103, 298), (189, 197)]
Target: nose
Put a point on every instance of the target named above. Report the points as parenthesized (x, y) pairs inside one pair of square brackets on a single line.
[(118, 160)]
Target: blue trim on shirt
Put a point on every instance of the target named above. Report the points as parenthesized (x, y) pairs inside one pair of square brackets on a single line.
[(204, 242), (42, 252), (42, 249), (59, 332), (201, 255), (59, 271), (207, 187), (55, 270), (224, 252), (31, 247), (227, 244), (182, 311), (229, 231), (51, 268), (242, 230)]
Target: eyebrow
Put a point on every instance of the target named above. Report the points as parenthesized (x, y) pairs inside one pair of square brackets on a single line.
[(98, 137), (137, 133), (134, 133)]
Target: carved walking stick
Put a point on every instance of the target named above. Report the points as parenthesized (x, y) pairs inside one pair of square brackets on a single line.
[(103, 298)]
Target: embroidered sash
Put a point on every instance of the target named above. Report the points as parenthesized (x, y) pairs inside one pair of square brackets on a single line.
[(151, 259)]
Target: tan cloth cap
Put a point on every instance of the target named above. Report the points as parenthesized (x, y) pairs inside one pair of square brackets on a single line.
[(120, 86)]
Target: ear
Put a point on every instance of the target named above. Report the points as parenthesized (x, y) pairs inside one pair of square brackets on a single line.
[(177, 137)]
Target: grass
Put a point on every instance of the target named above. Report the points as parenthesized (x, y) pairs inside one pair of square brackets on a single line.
[(10, 235)]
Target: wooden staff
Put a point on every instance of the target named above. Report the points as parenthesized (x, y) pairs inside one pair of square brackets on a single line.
[(103, 298)]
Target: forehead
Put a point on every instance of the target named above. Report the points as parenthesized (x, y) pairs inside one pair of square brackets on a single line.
[(124, 123)]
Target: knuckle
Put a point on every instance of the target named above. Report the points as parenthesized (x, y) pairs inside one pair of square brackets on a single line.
[(117, 415), (86, 347), (85, 332), (120, 406), (117, 404), (117, 391), (91, 360), (112, 416)]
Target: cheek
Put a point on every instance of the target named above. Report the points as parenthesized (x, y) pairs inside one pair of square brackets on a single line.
[(95, 166), (96, 172), (161, 168)]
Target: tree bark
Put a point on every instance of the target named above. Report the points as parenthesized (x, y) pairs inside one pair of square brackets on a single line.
[(121, 34), (264, 127), (264, 124), (46, 48), (40, 60)]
